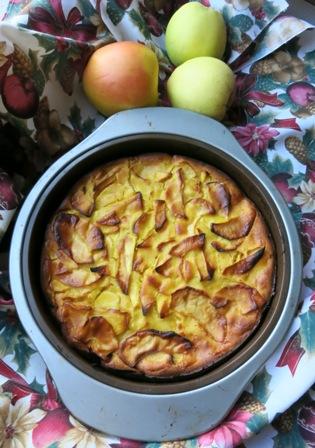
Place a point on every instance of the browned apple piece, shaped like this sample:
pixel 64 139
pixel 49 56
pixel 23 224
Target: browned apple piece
pixel 219 300
pixel 114 361
pixel 82 226
pixel 218 246
pixel 111 219
pixel 149 288
pixel 144 342
pixel 102 270
pixel 147 169
pixel 169 268
pixel 186 270
pixel 83 200
pixel 64 258
pixel 80 252
pixel 188 244
pixel 235 228
pixel 161 246
pixel 99 335
pixel 246 264
pixel 243 324
pixel 131 205
pixel 56 267
pixel 136 203
pixel 187 293
pixel 63 227
pixel 73 316
pixel 206 271
pixel 79 278
pixel 76 313
pixel 102 176
pixel 220 197
pixel 139 264
pixel 148 242
pixel 154 363
pixel 160 214
pixel 163 305
pixel 202 205
pixel 95 238
pixel 119 320
pixel 101 186
pixel 140 223
pixel 181 226
pixel 217 328
pixel 247 299
pixel 174 194
pixel 126 252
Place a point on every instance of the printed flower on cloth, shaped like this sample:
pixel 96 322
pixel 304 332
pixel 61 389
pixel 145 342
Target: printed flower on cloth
pixel 17 422
pixel 254 139
pixel 229 434
pixel 82 437
pixel 306 199
pixel 56 23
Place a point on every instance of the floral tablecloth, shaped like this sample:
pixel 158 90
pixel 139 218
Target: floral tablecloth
pixel 44 45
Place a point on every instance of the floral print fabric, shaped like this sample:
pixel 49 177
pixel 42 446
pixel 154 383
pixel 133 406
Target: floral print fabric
pixel 44 45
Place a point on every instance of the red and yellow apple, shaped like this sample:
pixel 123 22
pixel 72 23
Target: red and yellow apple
pixel 121 75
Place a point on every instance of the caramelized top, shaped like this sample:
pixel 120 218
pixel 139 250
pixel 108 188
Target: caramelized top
pixel 158 265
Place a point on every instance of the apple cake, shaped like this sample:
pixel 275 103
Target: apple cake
pixel 158 265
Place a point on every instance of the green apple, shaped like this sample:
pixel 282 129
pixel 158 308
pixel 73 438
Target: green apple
pixel 195 30
pixel 203 85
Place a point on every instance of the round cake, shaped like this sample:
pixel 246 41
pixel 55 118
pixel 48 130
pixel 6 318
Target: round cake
pixel 158 265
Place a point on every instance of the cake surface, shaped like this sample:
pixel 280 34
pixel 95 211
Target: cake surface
pixel 158 265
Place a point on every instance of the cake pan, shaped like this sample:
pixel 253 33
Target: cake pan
pixel 122 405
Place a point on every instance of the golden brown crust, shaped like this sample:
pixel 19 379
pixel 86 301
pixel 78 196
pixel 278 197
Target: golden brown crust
pixel 158 265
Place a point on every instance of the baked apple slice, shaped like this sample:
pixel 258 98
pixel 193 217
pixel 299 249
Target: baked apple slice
pixel 205 269
pixel 102 185
pixel 73 316
pixel 149 289
pixel 169 268
pixel 199 207
pixel 220 247
pixel 130 205
pixel 83 199
pixel 186 294
pixel 111 219
pixel 217 328
pixel 190 243
pixel 246 264
pixel 186 270
pixel 220 197
pixel 235 228
pixel 144 342
pixel 79 277
pixel 63 228
pixel 160 214
pixel 80 252
pixel 241 296
pixel 119 320
pixel 174 194
pixel 99 335
pixel 95 238
pixel 141 223
pixel 126 250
